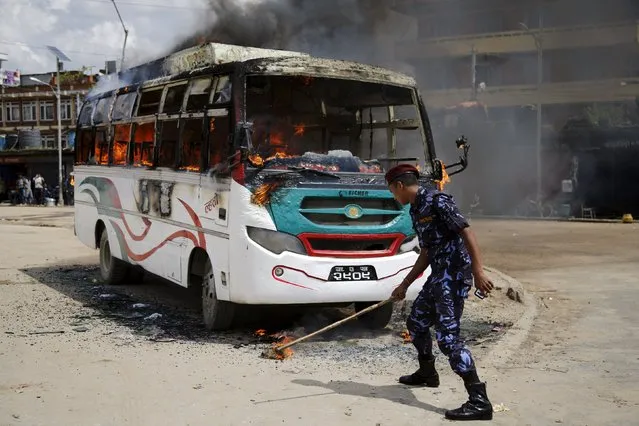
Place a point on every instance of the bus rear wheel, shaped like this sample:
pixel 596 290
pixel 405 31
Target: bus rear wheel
pixel 377 319
pixel 113 270
pixel 217 314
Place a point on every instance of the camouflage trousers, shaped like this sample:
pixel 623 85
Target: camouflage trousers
pixel 440 305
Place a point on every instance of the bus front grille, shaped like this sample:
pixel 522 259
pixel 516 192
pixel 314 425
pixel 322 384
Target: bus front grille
pixel 335 211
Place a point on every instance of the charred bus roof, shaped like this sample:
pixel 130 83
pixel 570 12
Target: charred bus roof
pixel 217 57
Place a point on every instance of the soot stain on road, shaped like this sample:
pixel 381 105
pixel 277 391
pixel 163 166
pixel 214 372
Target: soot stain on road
pixel 157 311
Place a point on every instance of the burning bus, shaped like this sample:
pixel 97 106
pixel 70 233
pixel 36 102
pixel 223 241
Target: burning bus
pixel 256 175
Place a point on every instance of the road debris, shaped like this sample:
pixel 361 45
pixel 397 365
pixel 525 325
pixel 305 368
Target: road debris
pixel 500 408
pixel 153 317
pixel 108 296
pixel 140 306
pixel 47 332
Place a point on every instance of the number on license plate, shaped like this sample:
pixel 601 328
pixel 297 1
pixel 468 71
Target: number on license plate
pixel 353 273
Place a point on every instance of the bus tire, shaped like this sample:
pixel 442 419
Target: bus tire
pixel 113 270
pixel 377 319
pixel 217 314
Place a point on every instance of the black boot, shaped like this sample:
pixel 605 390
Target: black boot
pixel 478 407
pixel 425 376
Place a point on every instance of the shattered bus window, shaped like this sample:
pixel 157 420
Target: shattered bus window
pixel 123 107
pixel 143 142
pixel 101 147
pixel 101 113
pixel 150 102
pixel 84 146
pixel 121 138
pixel 174 99
pixel 219 131
pixel 199 94
pixel 328 124
pixel 85 114
pixel 223 90
pixel 169 143
pixel 192 145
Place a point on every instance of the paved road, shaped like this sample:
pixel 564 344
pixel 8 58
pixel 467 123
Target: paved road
pixel 578 366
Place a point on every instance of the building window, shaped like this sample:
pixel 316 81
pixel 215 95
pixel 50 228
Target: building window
pixel 49 141
pixel 12 111
pixel 46 111
pixel 65 109
pixel 29 111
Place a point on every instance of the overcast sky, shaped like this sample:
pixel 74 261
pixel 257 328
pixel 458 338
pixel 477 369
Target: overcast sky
pixel 89 32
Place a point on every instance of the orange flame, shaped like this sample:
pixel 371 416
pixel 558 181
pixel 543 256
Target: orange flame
pixel 299 129
pixel 283 354
pixel 256 160
pixel 445 179
pixel 262 194
pixel 260 333
pixel 406 336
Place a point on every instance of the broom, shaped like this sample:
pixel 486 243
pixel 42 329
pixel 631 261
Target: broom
pixel 276 352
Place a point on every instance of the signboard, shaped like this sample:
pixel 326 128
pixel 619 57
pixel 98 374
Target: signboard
pixel 9 78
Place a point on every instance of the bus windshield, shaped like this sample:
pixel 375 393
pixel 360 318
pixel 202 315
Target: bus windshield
pixel 330 124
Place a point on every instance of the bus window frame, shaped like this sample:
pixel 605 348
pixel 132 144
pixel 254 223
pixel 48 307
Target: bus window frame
pixel 135 93
pixel 165 92
pixel 131 151
pixel 182 120
pixel 110 100
pixel 159 141
pixel 141 93
pixel 93 103
pixel 112 126
pixel 78 152
pixel 213 81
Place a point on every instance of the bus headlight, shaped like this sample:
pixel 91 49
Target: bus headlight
pixel 276 242
pixel 410 243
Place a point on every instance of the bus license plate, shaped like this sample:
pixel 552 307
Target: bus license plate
pixel 352 273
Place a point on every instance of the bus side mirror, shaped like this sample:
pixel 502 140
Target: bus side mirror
pixel 464 147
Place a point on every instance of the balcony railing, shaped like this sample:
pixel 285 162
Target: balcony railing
pixel 614 90
pixel 521 41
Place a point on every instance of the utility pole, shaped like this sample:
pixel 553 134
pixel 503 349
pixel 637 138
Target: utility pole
pixel 540 67
pixel 126 35
pixel 59 57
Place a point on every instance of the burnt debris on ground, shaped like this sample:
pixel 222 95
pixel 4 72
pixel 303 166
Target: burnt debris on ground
pixel 157 311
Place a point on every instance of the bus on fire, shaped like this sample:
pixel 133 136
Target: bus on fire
pixel 255 174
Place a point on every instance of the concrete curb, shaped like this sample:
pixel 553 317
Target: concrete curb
pixel 517 334
pixel 549 219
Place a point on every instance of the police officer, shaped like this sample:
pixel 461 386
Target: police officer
pixel 449 247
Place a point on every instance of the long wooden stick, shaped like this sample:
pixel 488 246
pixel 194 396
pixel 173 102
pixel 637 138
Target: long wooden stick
pixel 335 324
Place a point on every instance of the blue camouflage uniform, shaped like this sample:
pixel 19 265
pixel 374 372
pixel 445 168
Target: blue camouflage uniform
pixel 440 303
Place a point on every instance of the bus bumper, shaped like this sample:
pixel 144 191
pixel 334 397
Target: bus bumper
pixel 291 278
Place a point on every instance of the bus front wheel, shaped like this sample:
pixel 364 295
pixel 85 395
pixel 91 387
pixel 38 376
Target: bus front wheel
pixel 113 270
pixel 377 319
pixel 217 314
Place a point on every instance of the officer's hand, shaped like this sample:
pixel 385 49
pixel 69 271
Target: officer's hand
pixel 483 283
pixel 400 292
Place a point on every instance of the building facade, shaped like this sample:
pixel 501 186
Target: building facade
pixel 29 126
pixel 529 70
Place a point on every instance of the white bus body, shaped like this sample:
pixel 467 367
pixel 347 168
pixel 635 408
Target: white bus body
pixel 200 223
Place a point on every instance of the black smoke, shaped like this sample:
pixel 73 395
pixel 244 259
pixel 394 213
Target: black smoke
pixel 503 164
pixel 342 29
